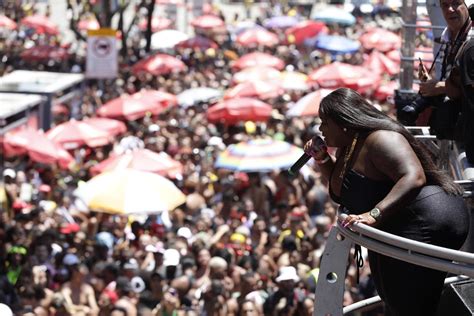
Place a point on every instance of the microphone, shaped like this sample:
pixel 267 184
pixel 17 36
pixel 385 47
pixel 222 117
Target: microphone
pixel 293 170
pixel 319 143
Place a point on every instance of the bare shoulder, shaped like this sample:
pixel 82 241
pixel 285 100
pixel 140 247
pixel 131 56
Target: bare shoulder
pixel 386 139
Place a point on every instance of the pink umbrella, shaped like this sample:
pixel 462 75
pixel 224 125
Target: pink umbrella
pixel 303 30
pixel 256 37
pixel 41 24
pixel 89 23
pixel 157 24
pixel 207 22
pixel 197 42
pixel 256 73
pixel 386 91
pixel 73 134
pixel 144 160
pixel 7 23
pixel 159 64
pixel 309 104
pixel 381 40
pixel 138 105
pixel 38 147
pixel 259 59
pixel 238 110
pixel 113 127
pixel 254 89
pixel 44 53
pixel 380 63
pixel 338 75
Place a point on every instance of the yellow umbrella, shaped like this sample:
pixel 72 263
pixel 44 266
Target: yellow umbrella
pixel 130 191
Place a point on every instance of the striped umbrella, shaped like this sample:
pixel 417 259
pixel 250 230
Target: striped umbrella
pixel 258 155
pixel 130 191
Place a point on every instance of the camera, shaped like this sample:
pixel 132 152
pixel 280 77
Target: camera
pixel 409 105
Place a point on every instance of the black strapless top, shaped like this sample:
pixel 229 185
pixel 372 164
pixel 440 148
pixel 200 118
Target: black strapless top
pixel 360 194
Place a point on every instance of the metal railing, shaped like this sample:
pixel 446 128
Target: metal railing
pixel 330 287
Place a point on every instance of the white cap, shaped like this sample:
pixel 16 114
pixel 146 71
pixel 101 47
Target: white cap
pixel 171 257
pixel 287 274
pixel 9 173
pixel 5 310
pixel 184 232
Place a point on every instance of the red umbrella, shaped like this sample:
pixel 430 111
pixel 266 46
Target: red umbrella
pixel 309 104
pixel 144 160
pixel 254 89
pixel 138 105
pixel 38 147
pixel 338 75
pixel 239 109
pixel 89 23
pixel 41 24
pixel 257 36
pixel 165 99
pixel 7 23
pixel 113 127
pixel 256 73
pixel 380 63
pixel 157 24
pixel 44 53
pixel 73 134
pixel 207 22
pixel 259 59
pixel 386 90
pixel 159 64
pixel 394 55
pixel 303 30
pixel 380 39
pixel 197 42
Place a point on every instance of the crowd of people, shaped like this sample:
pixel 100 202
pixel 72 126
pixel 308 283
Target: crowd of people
pixel 242 244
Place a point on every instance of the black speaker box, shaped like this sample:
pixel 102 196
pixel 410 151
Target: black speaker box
pixel 457 299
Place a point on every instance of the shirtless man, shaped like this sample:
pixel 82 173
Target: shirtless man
pixel 79 295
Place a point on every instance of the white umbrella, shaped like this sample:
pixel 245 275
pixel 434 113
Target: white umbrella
pixel 167 39
pixel 193 96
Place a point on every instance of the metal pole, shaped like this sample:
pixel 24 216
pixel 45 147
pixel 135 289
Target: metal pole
pixel 408 44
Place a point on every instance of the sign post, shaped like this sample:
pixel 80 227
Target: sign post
pixel 101 54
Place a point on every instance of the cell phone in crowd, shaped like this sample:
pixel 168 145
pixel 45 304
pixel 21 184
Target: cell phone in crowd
pixel 422 72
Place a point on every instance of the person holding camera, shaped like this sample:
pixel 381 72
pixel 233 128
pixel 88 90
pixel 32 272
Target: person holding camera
pixel 433 91
pixel 382 176
pixel 460 83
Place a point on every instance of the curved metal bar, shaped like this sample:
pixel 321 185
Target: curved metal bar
pixel 405 243
pixel 375 301
pixel 407 255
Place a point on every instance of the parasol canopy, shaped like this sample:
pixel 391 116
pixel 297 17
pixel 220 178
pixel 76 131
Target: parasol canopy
pixel 130 191
pixel 238 110
pixel 258 155
pixel 144 160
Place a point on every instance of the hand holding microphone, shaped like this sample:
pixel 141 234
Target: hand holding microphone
pixel 314 148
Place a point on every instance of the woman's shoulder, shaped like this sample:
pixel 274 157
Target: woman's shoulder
pixel 384 138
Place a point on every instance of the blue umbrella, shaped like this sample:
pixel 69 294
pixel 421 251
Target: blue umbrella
pixel 335 15
pixel 336 44
pixel 283 21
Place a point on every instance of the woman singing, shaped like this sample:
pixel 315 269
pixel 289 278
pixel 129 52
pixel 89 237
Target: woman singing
pixel 384 178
